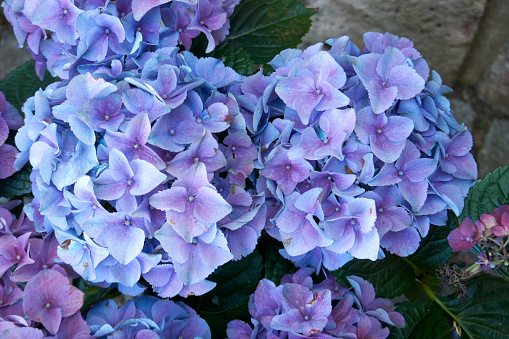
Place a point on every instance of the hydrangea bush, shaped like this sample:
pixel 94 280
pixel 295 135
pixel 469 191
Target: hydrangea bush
pixel 161 165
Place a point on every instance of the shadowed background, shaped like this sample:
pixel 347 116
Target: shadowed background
pixel 465 41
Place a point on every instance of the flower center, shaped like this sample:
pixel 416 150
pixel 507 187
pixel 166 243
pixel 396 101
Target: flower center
pixel 66 11
pixel 306 317
pixel 196 159
pixel 288 167
pixel 191 198
pixel 380 210
pixel 202 22
pixel 136 146
pixel 400 173
pixel 180 30
pixel 172 131
pixel 379 131
pixel 233 148
pixel 165 96
pixel 18 257
pixel 48 305
pixel 138 29
pixel 195 241
pixel 107 31
pixel 129 182
pixel 107 117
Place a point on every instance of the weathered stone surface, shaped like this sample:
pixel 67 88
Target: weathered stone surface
pixel 494 87
pixel 441 29
pixel 463 112
pixel 10 55
pixel 495 150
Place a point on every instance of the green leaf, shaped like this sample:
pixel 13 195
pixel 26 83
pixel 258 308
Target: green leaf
pixel 422 320
pixel 434 249
pixel 17 184
pixel 485 312
pixel 22 83
pixel 229 52
pixel 503 272
pixel 275 265
pixel 235 57
pixel 236 281
pixel 218 321
pixel 487 194
pixel 391 276
pixel 263 28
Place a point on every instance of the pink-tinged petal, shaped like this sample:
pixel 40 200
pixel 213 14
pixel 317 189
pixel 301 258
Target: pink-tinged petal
pixel 398 128
pixel 141 7
pixel 133 236
pixel 299 93
pixel 146 177
pixel 22 333
pixel 174 199
pixel 414 193
pixel 119 165
pixel 8 155
pixel 139 129
pixel 209 206
pixel 343 235
pixel 68 298
pixel 331 97
pixel 81 130
pixel 418 170
pixel 366 246
pixel 304 239
pixel 402 243
pixel 407 81
pixel 50 318
pixel 384 149
pixel 381 97
pixel 4 130
pixel 461 143
pixel 391 58
pixel 365 67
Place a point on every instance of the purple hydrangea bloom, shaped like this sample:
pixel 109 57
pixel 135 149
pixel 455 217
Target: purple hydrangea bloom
pixel 192 204
pixel 313 84
pixel 298 229
pixel 48 298
pixel 387 77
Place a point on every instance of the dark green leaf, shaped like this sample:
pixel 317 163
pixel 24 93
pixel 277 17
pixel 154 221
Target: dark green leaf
pixel 275 265
pixel 263 28
pixel 503 272
pixel 422 321
pixel 487 194
pixel 235 57
pixel 485 312
pixel 391 276
pixel 229 52
pixel 17 184
pixel 236 281
pixel 434 249
pixel 218 321
pixel 22 83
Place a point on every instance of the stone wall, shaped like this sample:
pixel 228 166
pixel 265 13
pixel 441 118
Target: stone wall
pixel 466 41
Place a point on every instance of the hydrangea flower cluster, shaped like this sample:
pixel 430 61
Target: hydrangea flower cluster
pixel 358 149
pixel 490 233
pixel 65 35
pixel 9 120
pixel 146 318
pixel 298 308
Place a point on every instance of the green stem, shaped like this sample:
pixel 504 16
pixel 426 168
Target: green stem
pixel 434 297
